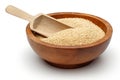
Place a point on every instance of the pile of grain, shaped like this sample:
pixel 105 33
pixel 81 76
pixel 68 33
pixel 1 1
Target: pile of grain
pixel 84 32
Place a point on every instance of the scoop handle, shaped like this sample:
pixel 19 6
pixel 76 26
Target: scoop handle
pixel 18 13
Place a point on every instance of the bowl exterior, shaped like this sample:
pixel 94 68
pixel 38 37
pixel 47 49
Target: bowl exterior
pixel 66 57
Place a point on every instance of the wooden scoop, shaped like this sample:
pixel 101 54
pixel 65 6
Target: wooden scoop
pixel 41 23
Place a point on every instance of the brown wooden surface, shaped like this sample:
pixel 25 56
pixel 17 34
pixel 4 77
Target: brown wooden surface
pixel 70 56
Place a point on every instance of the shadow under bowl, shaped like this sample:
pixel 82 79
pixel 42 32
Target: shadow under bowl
pixel 71 56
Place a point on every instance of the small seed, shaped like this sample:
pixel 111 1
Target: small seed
pixel 83 32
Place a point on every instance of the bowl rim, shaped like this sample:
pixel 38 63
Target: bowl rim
pixel 107 36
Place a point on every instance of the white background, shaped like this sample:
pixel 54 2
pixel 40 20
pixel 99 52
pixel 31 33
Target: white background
pixel 19 62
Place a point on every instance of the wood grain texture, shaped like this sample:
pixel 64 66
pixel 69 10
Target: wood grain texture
pixel 71 56
pixel 41 23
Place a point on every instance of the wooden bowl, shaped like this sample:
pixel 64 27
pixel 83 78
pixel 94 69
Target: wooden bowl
pixel 71 56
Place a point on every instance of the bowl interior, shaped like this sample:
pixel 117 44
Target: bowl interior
pixel 104 25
